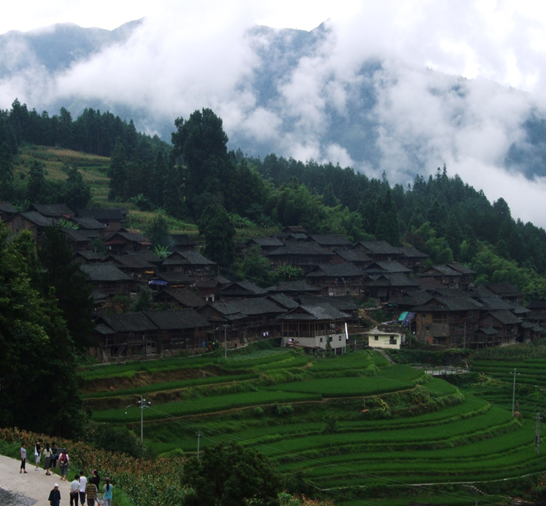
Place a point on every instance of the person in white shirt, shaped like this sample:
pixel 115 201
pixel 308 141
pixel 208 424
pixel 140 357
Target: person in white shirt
pixel 83 484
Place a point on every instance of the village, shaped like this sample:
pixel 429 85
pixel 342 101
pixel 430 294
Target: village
pixel 197 307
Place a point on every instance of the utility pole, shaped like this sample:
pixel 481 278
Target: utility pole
pixel 198 434
pixel 143 403
pixel 537 434
pixel 514 392
pixel 225 340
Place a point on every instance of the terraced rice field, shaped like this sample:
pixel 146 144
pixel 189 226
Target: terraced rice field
pixel 353 425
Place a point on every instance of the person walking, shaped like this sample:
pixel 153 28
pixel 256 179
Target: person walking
pixel 55 496
pixel 107 491
pixel 63 464
pixel 95 478
pixel 37 453
pixel 74 490
pixel 54 455
pixel 91 493
pixel 47 463
pixel 23 458
pixel 83 485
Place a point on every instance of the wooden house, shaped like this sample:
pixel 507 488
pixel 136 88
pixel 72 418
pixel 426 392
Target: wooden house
pixel 108 279
pixel 111 218
pixel 123 241
pixel 6 210
pixel 57 211
pixel 32 221
pixel 300 254
pixel 505 323
pixel 314 328
pixel 336 279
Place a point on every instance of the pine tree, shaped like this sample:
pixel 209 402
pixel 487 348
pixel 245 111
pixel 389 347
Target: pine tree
pixel 118 173
pixel 6 173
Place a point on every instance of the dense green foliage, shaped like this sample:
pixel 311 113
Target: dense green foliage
pixel 39 390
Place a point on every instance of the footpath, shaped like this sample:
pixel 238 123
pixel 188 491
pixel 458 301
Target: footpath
pixel 35 485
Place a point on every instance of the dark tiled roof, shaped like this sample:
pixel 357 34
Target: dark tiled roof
pixel 53 210
pixel 112 213
pixel 449 304
pixel 39 219
pixel 175 278
pixel 461 268
pixel 91 255
pixel 505 317
pixel 293 287
pixel 146 255
pixel 343 303
pixel 6 207
pixel 409 252
pixel 442 270
pixel 268 242
pixel 182 240
pixel 331 239
pixel 195 258
pixel 335 270
pixel 128 236
pixel 379 248
pixel 88 223
pixel 387 266
pixel 504 289
pixel 178 319
pixel 243 288
pixel 353 255
pixel 283 301
pixel 300 248
pixel 495 303
pixel 183 296
pixel 322 312
pixel 418 298
pixel 393 280
pixel 74 235
pixel 104 272
pixel 131 261
pixel 429 283
pixel 256 306
pixel 128 322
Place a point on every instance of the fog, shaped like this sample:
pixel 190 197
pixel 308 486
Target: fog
pixel 445 83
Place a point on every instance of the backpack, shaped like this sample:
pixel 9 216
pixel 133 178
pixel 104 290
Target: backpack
pixel 64 459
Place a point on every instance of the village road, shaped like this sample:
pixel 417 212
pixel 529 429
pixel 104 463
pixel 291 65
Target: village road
pixel 32 488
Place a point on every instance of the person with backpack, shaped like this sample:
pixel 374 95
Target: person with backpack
pixel 63 464
pixel 54 455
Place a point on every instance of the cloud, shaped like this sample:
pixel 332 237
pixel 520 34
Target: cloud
pixel 396 86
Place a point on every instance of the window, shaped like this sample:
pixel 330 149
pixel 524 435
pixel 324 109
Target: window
pixel 331 338
pixel 377 338
pixel 339 338
pixel 427 327
pixel 392 340
pixel 321 339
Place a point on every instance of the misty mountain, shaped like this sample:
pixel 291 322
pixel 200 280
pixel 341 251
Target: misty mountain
pixel 305 94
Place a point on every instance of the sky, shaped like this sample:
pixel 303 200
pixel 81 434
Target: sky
pixel 189 55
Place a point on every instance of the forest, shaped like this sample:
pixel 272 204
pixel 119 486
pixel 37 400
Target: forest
pixel 198 179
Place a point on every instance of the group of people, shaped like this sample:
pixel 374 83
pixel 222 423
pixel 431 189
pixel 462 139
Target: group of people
pixel 84 489
pixel 81 488
pixel 51 455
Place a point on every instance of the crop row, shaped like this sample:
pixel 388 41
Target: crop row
pixel 201 405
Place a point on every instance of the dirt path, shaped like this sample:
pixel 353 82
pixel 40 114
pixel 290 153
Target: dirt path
pixel 34 486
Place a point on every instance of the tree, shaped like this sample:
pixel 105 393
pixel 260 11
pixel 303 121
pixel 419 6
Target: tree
pixel 201 143
pixel 231 475
pixel 40 389
pixel 77 191
pixel 63 279
pixel 36 186
pixel 158 231
pixel 219 234
pixel 6 173
pixel 118 172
